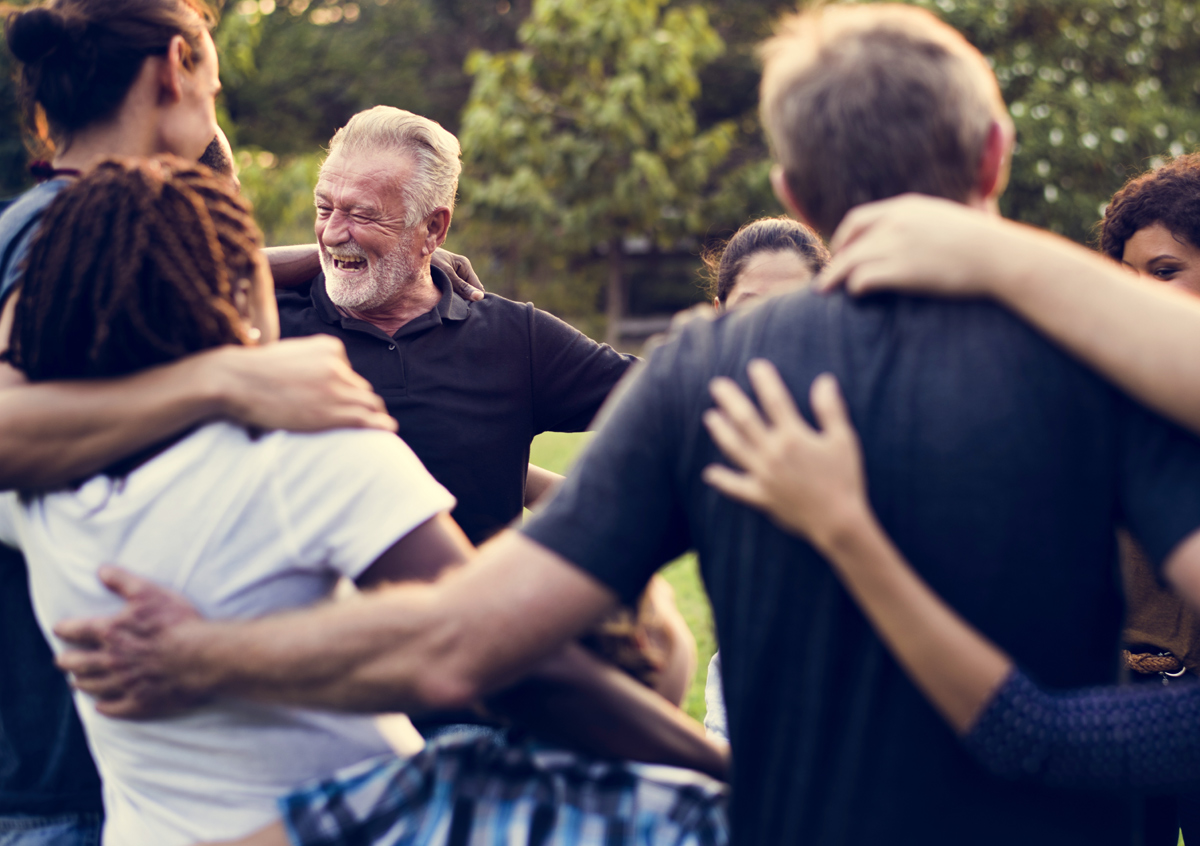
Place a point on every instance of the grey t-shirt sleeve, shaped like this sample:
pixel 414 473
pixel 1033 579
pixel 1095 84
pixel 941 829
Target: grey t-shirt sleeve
pixel 1160 481
pixel 619 514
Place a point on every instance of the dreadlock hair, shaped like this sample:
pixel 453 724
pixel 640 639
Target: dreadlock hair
pixel 1169 195
pixel 133 266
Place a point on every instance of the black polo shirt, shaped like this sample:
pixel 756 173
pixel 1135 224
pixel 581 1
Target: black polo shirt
pixel 1001 468
pixel 471 384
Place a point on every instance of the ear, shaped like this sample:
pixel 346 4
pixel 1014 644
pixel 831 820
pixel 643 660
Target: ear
pixel 992 177
pixel 437 226
pixel 171 69
pixel 783 191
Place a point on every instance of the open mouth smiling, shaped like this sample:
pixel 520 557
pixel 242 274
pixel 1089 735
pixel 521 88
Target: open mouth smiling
pixel 349 264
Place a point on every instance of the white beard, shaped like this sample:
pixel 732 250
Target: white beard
pixel 384 279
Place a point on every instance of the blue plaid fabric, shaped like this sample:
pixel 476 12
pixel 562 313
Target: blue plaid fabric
pixel 464 791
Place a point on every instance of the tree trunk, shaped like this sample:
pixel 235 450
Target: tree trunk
pixel 616 290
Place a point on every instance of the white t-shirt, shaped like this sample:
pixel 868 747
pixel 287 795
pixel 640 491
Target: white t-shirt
pixel 243 528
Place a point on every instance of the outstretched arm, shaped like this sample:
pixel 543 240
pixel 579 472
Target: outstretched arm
pixel 412 647
pixel 810 482
pixel 52 433
pixel 1143 336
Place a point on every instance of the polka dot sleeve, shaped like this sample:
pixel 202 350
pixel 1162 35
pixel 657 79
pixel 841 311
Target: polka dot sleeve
pixel 1105 738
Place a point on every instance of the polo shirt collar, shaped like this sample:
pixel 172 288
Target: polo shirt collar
pixel 450 307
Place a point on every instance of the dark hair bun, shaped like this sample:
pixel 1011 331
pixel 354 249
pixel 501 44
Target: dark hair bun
pixel 35 34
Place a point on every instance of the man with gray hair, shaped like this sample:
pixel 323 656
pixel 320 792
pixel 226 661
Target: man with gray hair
pixel 470 383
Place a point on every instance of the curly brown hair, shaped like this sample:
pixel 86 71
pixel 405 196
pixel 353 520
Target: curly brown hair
pixel 1169 195
pixel 133 266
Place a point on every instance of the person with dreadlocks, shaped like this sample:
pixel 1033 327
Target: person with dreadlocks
pixel 138 264
pixel 99 78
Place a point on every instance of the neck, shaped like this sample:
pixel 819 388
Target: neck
pixel 95 144
pixel 416 297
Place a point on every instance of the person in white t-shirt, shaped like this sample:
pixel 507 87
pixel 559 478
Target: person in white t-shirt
pixel 138 264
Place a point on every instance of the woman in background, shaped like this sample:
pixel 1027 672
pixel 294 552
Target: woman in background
pixel 766 257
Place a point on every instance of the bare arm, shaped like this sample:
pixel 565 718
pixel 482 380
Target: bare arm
pixel 539 483
pixel 407 647
pixel 811 483
pixel 52 433
pixel 292 266
pixel 1143 336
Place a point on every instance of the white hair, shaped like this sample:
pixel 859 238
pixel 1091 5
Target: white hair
pixel 435 152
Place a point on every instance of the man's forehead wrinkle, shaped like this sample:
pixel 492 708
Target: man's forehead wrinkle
pixel 347 176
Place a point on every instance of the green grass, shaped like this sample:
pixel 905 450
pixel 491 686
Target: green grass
pixel 555 451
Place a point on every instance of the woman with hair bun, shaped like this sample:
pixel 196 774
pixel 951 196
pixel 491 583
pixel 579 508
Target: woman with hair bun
pixel 97 79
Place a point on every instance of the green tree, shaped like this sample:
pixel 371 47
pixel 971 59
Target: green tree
pixel 587 136
pixel 1098 89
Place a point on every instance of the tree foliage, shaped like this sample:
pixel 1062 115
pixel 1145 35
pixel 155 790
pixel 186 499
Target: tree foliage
pixel 1099 90
pixel 587 135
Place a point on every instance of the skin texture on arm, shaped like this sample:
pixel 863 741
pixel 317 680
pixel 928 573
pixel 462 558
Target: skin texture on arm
pixel 52 433
pixel 408 647
pixel 811 483
pixel 539 483
pixel 1143 336
pixel 291 266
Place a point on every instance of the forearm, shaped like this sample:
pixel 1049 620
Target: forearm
pixel 1141 738
pixel 577 700
pixel 292 266
pixel 1142 335
pixel 956 668
pixel 369 654
pixel 539 483
pixel 52 433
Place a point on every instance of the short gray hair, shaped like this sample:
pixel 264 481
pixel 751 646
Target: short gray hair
pixel 435 151
pixel 865 102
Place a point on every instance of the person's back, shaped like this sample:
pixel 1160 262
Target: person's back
pixel 242 527
pixel 139 263
pixel 1001 467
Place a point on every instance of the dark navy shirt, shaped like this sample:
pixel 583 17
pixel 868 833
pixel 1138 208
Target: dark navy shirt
pixel 1000 466
pixel 470 385
pixel 45 766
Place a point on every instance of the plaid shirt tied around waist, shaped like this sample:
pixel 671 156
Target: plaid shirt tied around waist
pixel 467 791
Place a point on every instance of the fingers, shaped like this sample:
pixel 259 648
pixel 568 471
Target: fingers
pixel 124 583
pixel 854 224
pixel 85 664
pixel 827 404
pixel 736 486
pixel 83 633
pixel 736 449
pixel 773 395
pixel 466 290
pixel 738 409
